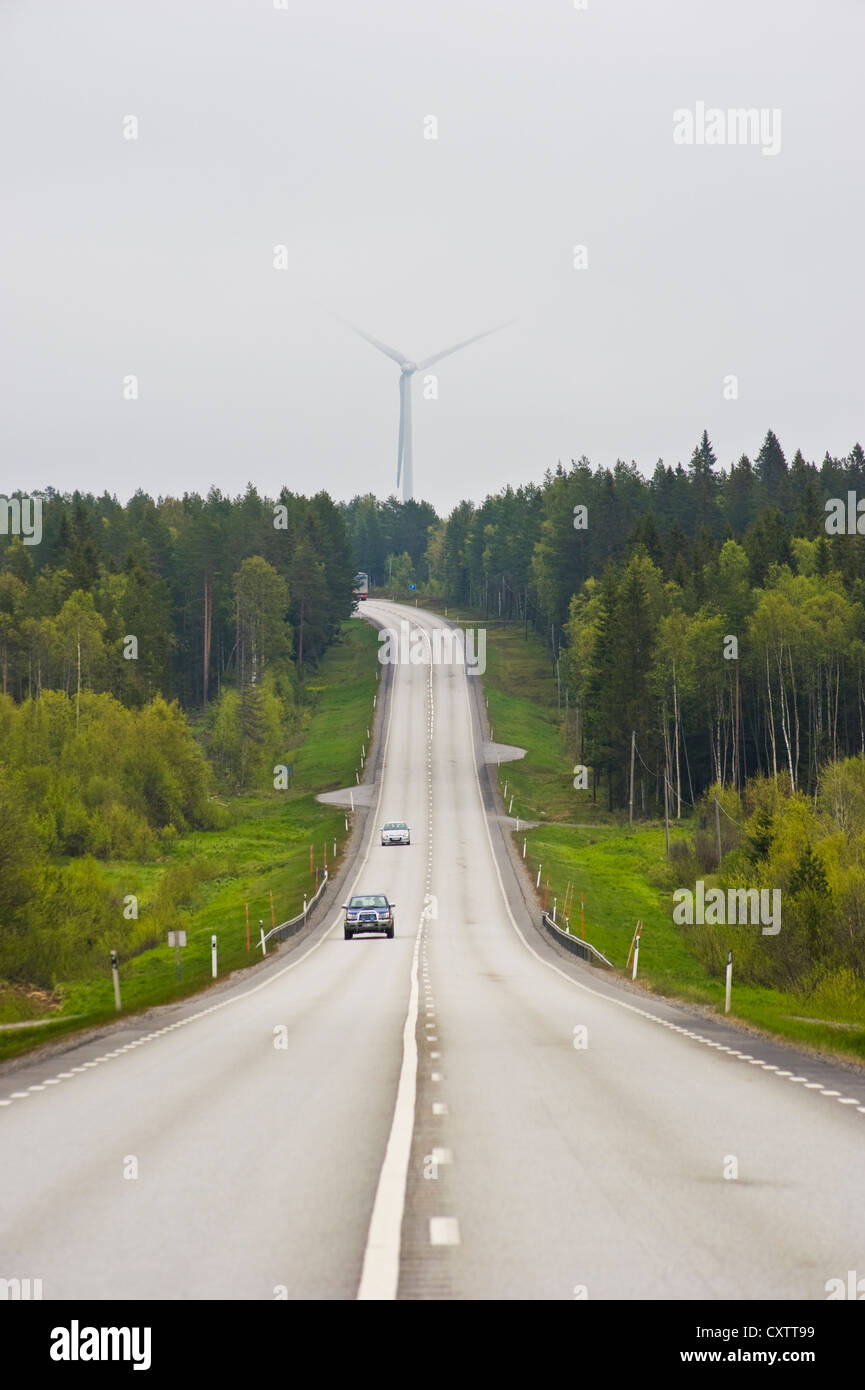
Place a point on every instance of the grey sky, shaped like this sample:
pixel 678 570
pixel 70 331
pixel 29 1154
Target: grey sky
pixel 304 127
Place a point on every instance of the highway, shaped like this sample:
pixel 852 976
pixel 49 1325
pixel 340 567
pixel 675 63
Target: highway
pixel 429 1130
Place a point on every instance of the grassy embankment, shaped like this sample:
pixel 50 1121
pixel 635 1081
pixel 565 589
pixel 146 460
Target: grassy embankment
pixel 214 874
pixel 624 876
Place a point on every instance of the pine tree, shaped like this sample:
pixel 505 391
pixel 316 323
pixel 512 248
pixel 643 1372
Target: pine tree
pixel 704 484
pixel 772 472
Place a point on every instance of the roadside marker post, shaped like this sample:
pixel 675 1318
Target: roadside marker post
pixel 524 846
pixel 115 974
pixel 729 981
pixel 263 942
pixel 636 949
pixel 213 956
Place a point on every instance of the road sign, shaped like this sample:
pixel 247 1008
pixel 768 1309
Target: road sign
pixel 177 939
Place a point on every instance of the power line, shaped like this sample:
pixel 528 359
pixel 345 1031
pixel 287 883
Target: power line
pixel 673 792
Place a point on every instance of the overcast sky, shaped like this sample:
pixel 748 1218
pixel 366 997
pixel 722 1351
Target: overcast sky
pixel 303 126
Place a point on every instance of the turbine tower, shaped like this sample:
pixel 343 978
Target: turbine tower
pixel 407 371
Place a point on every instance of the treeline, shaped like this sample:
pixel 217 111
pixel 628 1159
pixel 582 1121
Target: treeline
pixel 218 603
pixel 706 610
pixel 747 680
pixel 164 572
pixel 519 552
pixel 390 539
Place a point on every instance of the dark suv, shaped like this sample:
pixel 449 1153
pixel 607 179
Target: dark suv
pixel 368 912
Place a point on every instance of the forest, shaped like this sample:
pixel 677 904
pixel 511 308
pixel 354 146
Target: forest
pixel 152 660
pixel 707 611
pixel 704 624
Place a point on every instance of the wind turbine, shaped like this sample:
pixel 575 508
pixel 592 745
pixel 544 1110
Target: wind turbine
pixel 407 371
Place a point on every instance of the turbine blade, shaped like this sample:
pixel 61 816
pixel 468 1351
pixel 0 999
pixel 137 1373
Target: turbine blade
pixel 394 353
pixel 437 356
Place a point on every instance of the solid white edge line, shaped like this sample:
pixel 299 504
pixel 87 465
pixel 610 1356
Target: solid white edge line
pixel 380 1275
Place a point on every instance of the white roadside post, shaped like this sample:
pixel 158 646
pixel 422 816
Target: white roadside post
pixel 115 972
pixel 263 942
pixel 524 846
pixel 729 980
pixel 213 956
pixel 636 950
pixel 555 905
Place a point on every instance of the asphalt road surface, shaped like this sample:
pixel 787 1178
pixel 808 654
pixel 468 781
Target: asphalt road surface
pixel 429 1129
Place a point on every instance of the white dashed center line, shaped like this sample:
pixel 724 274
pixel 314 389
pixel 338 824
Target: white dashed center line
pixel 444 1230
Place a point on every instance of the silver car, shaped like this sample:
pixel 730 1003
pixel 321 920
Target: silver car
pixel 395 832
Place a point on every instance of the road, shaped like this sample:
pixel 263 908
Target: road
pixel 429 1129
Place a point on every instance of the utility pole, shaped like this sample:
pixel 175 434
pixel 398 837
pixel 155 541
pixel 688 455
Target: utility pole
pixel 631 795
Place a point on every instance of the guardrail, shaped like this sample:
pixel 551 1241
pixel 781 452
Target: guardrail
pixel 584 949
pixel 284 929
